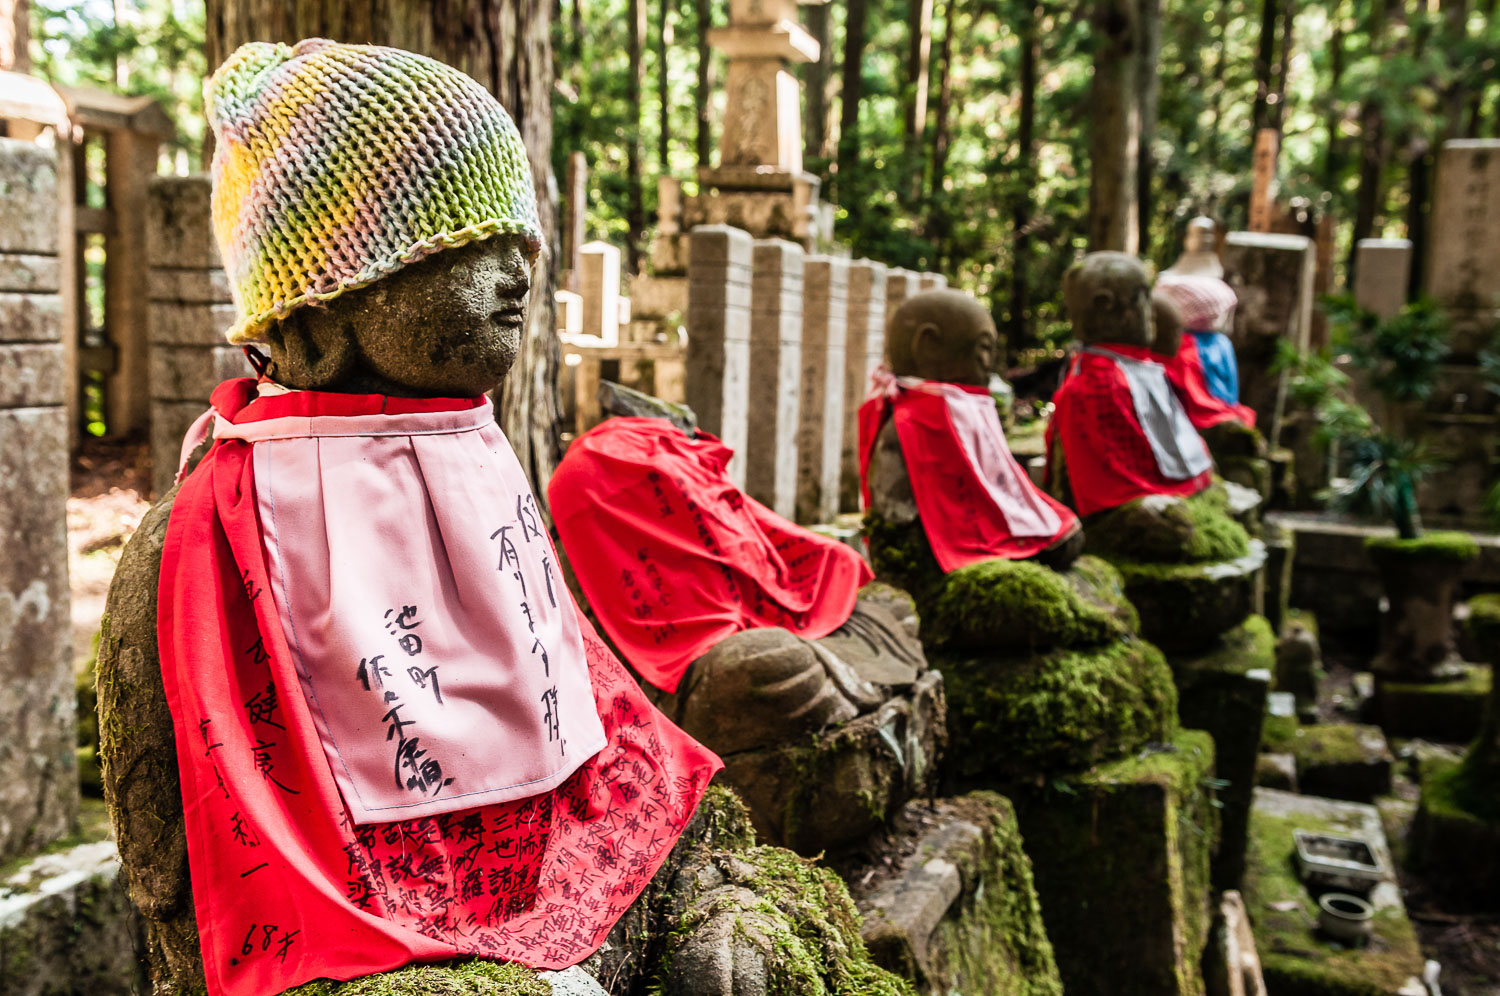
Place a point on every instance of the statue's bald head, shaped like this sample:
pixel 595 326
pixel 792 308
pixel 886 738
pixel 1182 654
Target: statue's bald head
pixel 1108 297
pixel 944 335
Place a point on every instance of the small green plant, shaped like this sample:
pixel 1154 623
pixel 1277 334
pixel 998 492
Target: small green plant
pixel 1400 354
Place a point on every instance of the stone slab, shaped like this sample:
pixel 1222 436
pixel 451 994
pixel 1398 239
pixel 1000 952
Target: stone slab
pixel 1122 866
pixel 1453 849
pixel 28 191
pixel 958 911
pixel 30 317
pixel 864 350
pixel 1382 270
pixel 39 796
pixel 1294 955
pixel 1346 761
pixel 189 324
pixel 820 425
pixel 1273 276
pixel 717 378
pixel 189 286
pixel 179 229
pixel 32 375
pixel 775 374
pixel 190 373
pixel 30 274
pixel 1185 608
pixel 1461 271
pixel 1445 711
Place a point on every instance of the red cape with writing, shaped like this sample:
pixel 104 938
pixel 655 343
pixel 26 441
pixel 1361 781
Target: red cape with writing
pixel 673 557
pixel 961 516
pixel 1107 457
pixel 1204 410
pixel 286 887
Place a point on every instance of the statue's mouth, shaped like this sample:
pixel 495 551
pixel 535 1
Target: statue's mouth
pixel 510 317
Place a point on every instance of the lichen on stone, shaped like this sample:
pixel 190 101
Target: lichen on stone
pixel 463 977
pixel 1061 711
pixel 1005 605
pixel 1166 529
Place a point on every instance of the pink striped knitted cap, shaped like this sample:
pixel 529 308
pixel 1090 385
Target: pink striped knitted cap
pixel 336 165
pixel 1206 303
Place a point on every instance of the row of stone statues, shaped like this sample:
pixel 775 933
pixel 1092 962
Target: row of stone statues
pixel 343 669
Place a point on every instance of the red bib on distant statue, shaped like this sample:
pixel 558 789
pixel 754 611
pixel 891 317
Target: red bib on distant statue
pixel 673 557
pixel 1123 432
pixel 1204 410
pixel 397 737
pixel 975 501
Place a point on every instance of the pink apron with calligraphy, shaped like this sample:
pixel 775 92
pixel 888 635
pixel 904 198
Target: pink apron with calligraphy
pixel 1108 455
pixel 975 501
pixel 673 557
pixel 398 739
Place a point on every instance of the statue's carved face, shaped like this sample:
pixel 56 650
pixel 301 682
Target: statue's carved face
pixel 943 335
pixel 449 325
pixel 1108 297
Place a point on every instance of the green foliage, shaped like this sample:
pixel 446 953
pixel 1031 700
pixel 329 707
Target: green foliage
pixel 1400 354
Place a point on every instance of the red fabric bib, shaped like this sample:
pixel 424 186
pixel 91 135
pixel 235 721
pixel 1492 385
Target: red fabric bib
pixel 966 519
pixel 1108 458
pixel 1185 371
pixel 673 557
pixel 286 887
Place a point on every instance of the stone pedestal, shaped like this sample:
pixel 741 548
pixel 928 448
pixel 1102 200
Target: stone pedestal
pixel 191 308
pixel 775 374
pixel 820 430
pixel 899 285
pixel 1273 276
pixel 718 350
pixel 864 351
pixel 1121 857
pixel 39 795
pixel 1381 275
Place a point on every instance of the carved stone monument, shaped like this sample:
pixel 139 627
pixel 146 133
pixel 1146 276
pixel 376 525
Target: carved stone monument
pixel 820 429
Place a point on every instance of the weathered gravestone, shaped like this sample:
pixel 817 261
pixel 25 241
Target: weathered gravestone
pixel 825 332
pixel 718 350
pixel 864 348
pixel 39 798
pixel 775 374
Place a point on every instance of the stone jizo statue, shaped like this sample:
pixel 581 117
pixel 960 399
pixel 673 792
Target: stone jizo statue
pixel 350 716
pixel 1118 431
pixel 933 450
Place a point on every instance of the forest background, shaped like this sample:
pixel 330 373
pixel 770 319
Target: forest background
pixel 954 135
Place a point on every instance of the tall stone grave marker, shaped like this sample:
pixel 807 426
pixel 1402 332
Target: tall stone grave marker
pixel 931 281
pixel 190 310
pixel 775 375
pixel 899 285
pixel 1382 270
pixel 718 349
pixel 864 351
pixel 1273 276
pixel 599 286
pixel 39 794
pixel 820 431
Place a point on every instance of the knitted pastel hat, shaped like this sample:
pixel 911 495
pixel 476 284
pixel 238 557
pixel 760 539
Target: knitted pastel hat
pixel 336 165
pixel 1207 303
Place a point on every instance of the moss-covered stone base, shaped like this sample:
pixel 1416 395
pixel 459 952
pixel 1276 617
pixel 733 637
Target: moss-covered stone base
pixel 1447 711
pixel 1295 958
pixel 465 977
pixel 959 911
pixel 1186 607
pixel 1161 529
pixel 1122 863
pixel 1035 714
pixel 1224 693
pixel 1335 760
pixel 1455 838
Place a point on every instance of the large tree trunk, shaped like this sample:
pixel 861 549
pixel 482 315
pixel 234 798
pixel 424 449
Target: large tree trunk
pixel 1277 113
pixel 664 138
pixel 851 92
pixel 937 211
pixel 505 45
pixel 705 137
pixel 1265 53
pixel 1150 96
pixel 1369 201
pixel 815 77
pixel 1332 155
pixel 15 35
pixel 635 207
pixel 918 69
pixel 1018 332
pixel 1115 127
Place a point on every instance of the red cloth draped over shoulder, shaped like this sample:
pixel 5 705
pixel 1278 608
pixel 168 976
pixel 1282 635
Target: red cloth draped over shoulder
pixel 966 521
pixel 673 557
pixel 1105 451
pixel 1204 410
pixel 286 887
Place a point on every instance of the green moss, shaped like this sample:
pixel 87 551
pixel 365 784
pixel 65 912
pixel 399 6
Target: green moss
pixel 1278 733
pixel 1294 959
pixel 999 942
pixel 86 704
pixel 1160 529
pixel 1234 439
pixel 1454 546
pixel 93 826
pixel 805 913
pixel 901 555
pixel 1484 622
pixel 1474 682
pixel 1249 646
pixel 1011 605
pixel 1056 712
pixel 1450 791
pixel 465 977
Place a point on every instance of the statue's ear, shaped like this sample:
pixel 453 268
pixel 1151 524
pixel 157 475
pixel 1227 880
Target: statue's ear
pixel 926 345
pixel 1104 300
pixel 315 353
